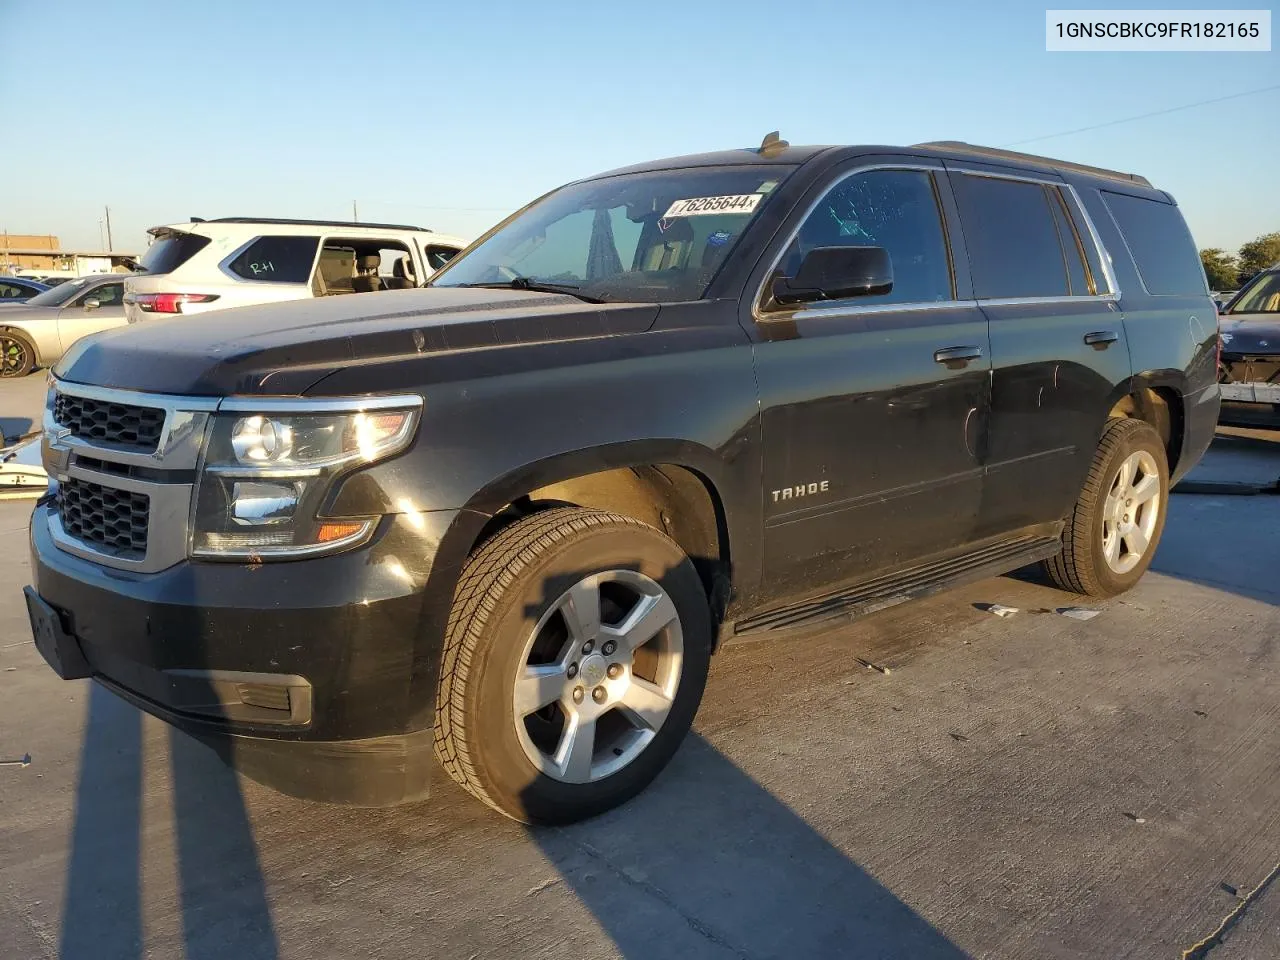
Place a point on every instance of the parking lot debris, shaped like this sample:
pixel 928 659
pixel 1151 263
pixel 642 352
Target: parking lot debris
pixel 959 737
pixel 873 666
pixel 1079 613
pixel 24 762
pixel 539 887
pixel 1000 610
pixel 1134 817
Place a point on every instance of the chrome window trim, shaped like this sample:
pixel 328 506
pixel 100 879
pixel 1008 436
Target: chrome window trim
pixel 842 308
pixel 760 315
pixel 1104 256
pixel 846 308
pixel 1016 301
pixel 179 453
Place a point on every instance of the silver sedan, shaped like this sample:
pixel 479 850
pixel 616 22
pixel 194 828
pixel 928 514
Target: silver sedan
pixel 36 333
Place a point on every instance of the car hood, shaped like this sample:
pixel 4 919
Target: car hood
pixel 1251 333
pixel 284 348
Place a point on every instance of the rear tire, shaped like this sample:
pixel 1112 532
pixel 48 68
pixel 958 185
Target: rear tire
pixel 565 604
pixel 1116 524
pixel 17 354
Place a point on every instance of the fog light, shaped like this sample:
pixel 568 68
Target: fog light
pixel 262 504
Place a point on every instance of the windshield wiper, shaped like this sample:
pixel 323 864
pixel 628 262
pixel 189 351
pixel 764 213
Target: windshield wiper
pixel 537 286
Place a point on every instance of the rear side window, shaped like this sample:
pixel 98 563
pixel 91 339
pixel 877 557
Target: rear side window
pixel 1013 240
pixel 1160 243
pixel 276 259
pixel 170 251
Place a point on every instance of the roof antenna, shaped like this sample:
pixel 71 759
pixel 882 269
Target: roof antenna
pixel 772 145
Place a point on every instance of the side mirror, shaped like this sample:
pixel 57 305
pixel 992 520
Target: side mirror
pixel 834 273
pixel 92 304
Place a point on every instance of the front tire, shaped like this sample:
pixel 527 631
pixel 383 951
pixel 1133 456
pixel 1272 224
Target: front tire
pixel 1116 524
pixel 576 655
pixel 17 354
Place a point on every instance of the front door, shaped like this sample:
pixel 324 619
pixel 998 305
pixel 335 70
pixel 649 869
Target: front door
pixel 1058 347
pixel 873 408
pixel 79 318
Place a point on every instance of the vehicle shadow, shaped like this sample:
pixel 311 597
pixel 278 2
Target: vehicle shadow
pixel 1245 528
pixel 224 905
pixel 102 909
pixel 708 863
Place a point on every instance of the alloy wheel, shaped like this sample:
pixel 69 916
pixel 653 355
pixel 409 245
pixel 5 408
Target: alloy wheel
pixel 1131 511
pixel 13 356
pixel 599 675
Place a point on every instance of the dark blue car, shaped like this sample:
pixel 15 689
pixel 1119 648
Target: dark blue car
pixel 19 289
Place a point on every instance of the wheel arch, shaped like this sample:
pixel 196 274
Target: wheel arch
pixel 671 486
pixel 1159 402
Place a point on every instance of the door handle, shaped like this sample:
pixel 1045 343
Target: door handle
pixel 956 357
pixel 1101 339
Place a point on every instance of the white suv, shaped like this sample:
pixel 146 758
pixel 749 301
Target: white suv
pixel 236 261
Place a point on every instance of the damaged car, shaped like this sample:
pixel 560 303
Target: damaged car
pixel 1250 366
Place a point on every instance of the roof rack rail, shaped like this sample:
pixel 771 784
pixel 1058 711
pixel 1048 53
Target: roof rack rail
pixel 315 223
pixel 995 153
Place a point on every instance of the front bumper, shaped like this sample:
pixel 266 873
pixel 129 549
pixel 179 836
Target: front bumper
pixel 308 675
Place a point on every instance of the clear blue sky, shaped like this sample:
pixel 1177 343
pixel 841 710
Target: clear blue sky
pixel 449 115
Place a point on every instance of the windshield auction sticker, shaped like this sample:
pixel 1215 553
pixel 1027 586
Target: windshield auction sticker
pixel 702 206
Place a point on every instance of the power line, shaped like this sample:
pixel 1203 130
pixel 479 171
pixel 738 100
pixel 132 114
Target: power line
pixel 1143 116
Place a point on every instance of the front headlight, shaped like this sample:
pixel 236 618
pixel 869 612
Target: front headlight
pixel 265 476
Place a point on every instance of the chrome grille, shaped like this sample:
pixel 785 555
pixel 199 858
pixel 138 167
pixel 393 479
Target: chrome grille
pixel 105 421
pixel 112 520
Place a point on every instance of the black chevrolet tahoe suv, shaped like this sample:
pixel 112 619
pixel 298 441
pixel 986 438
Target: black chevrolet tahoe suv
pixel 505 519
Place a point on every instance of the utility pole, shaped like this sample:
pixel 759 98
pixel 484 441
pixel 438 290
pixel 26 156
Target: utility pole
pixel 355 216
pixel 108 210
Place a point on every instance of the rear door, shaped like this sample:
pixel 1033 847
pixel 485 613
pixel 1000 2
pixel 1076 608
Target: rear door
pixel 78 319
pixel 1058 348
pixel 873 408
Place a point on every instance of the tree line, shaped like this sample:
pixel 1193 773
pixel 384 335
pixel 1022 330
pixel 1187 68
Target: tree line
pixel 1227 271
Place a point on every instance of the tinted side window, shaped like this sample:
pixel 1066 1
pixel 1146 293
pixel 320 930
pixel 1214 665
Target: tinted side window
pixel 1011 236
pixel 10 292
pixel 276 259
pixel 894 209
pixel 1160 243
pixel 437 257
pixel 170 252
pixel 107 295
